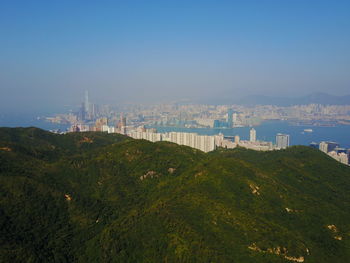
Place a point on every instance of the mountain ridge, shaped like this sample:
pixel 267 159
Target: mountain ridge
pixel 110 198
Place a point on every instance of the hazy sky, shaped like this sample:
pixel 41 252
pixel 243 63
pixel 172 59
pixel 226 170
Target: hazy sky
pixel 51 51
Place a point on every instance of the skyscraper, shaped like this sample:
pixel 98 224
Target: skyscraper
pixel 229 118
pixel 282 140
pixel 252 134
pixel 86 103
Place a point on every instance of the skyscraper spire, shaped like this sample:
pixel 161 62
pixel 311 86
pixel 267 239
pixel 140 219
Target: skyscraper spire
pixel 86 101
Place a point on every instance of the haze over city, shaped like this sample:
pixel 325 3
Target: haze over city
pixel 160 51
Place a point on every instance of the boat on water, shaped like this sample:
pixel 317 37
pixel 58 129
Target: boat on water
pixel 308 130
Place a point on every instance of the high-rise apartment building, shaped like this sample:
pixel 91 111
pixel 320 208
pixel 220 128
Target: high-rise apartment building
pixel 282 141
pixel 204 143
pixel 252 134
pixel 328 146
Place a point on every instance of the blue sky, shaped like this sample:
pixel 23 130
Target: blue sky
pixel 142 51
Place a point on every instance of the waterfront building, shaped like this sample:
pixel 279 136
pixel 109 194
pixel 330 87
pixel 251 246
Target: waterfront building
pixel 230 118
pixel 234 119
pixel 282 141
pixel 237 139
pixel 252 134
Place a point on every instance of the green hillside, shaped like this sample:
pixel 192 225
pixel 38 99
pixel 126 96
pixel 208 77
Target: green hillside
pixel 95 197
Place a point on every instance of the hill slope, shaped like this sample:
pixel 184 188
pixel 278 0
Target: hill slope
pixel 93 197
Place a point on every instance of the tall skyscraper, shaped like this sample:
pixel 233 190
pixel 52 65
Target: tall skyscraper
pixel 252 134
pixel 229 118
pixel 282 140
pixel 86 103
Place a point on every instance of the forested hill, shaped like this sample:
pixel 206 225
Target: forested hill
pixel 94 197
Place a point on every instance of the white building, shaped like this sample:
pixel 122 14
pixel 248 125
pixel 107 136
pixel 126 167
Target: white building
pixel 282 141
pixel 204 143
pixel 257 146
pixel 323 146
pixel 104 128
pixel 111 129
pixel 252 134
pixel 328 146
pixel 149 136
pixel 340 157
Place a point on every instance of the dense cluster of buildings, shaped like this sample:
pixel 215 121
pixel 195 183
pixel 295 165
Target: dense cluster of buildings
pixel 334 150
pixel 133 119
pixel 205 116
pixel 207 143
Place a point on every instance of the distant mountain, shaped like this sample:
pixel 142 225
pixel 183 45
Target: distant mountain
pixel 95 197
pixel 314 98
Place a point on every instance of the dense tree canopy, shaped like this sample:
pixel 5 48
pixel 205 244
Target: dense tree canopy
pixel 95 197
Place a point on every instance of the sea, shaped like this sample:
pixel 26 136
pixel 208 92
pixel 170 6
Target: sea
pixel 30 120
pixel 265 132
